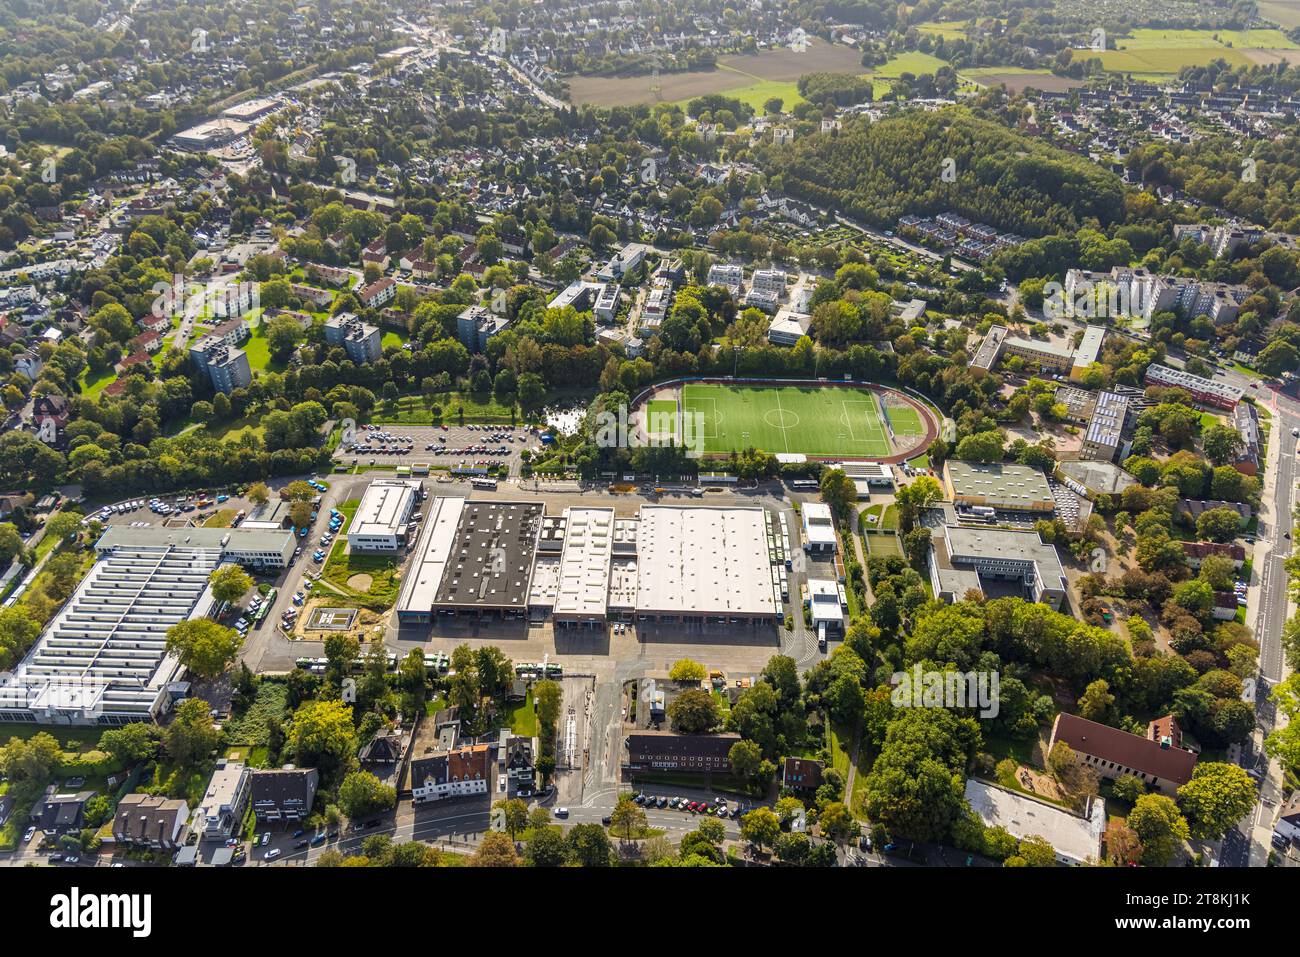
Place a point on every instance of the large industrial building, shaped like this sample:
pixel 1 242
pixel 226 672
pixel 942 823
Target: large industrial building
pixel 102 660
pixel 691 564
pixel 383 518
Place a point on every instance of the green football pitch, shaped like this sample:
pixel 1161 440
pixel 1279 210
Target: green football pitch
pixel 825 421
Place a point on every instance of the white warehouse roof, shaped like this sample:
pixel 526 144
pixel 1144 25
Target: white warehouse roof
pixel 703 560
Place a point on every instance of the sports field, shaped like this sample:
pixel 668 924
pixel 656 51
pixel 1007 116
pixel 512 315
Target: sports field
pixel 814 421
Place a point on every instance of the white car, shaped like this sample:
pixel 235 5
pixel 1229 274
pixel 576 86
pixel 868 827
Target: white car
pixel 273 854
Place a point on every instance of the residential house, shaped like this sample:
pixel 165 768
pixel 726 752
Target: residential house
pixel 221 812
pixel 802 774
pixel 149 821
pixel 56 814
pixel 457 772
pixel 285 794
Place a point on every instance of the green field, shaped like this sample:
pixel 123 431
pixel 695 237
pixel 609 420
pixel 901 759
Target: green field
pixel 815 421
pixel 1164 52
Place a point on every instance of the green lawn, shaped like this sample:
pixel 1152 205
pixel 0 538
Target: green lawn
pixel 814 421
pixel 523 719
pixel 340 566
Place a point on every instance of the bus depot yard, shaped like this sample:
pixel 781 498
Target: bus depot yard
pixel 820 421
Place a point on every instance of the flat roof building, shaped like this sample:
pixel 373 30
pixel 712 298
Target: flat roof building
pixel 221 811
pixel 433 552
pixel 818 527
pixel 382 520
pixel 1104 435
pixel 360 340
pixel 704 563
pixel 824 604
pixel 996 485
pixel 1076 838
pixel 103 659
pixel 1205 391
pixel 788 327
pixel 964 558
pixel 491 559
pixel 584 566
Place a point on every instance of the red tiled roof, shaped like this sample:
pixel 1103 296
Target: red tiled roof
pixel 1130 750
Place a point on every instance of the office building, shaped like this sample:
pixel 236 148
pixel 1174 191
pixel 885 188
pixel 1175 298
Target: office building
pixel 382 522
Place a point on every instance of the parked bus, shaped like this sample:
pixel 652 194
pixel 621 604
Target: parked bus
pixel 484 483
pixel 811 484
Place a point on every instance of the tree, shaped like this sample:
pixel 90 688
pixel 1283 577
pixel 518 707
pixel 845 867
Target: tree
pixel 627 818
pixel 35 759
pixel 17 633
pixel 1159 826
pixel 746 759
pixel 191 736
pixel 283 333
pixel 1218 524
pixel 686 671
pixel 694 712
pixel 514 815
pixel 760 827
pixel 1123 847
pixel 981 447
pixel 547 847
pixel 839 492
pixel 792 848
pixel 1096 702
pixel 258 493
pixel 916 544
pixel 1216 798
pixel 203 646
pixel 837 823
pixel 130 743
pixel 1221 444
pixel 495 850
pixel 589 845
pixel 531 392
pixel 1036 852
pixel 11 542
pixel 362 794
pixel 916 496
pixel 321 735
pixel 61 525
pixel 229 582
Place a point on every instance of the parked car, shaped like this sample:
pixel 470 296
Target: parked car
pixel 266 838
pixel 272 854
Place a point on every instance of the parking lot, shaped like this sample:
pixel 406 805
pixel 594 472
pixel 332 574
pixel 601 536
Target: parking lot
pixel 438 445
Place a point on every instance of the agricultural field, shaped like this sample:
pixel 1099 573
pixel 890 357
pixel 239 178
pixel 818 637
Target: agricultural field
pixel 753 78
pixel 1019 79
pixel 1155 52
pixel 818 421
pixel 1285 13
